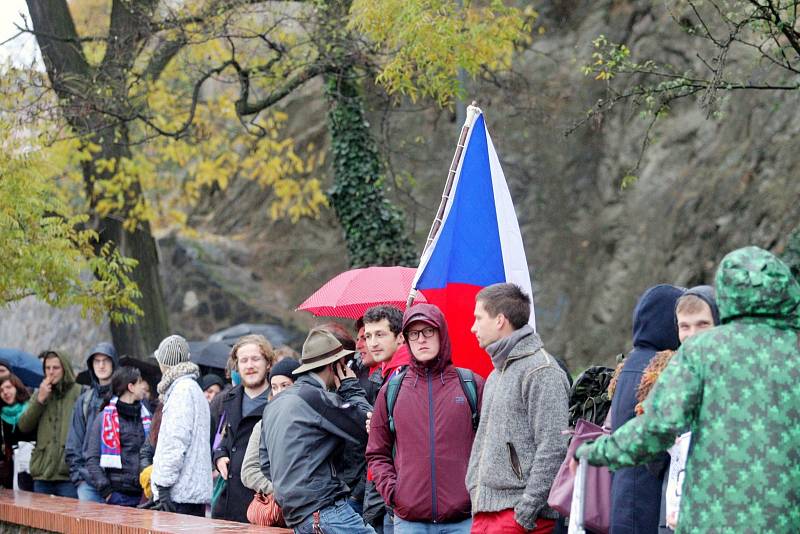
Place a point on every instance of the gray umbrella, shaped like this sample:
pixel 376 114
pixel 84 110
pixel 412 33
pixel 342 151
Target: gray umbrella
pixel 209 353
pixel 276 334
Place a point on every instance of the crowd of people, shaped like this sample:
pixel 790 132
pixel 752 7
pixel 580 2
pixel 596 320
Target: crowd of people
pixel 378 431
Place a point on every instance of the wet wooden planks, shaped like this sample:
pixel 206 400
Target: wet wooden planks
pixel 70 516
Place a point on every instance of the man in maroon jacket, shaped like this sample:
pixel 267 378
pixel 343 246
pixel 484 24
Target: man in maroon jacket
pixel 420 468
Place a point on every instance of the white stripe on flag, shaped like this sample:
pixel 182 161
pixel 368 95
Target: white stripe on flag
pixel 514 261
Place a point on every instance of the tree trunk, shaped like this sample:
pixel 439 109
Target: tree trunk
pixel 77 83
pixel 141 338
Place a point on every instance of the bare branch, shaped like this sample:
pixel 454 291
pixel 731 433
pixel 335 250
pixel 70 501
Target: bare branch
pixel 243 107
pixel 165 52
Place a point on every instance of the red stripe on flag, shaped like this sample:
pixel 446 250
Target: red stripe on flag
pixel 457 302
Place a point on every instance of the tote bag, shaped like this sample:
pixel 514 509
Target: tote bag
pixel 597 506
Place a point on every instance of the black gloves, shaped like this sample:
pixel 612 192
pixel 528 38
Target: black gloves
pixel 165 503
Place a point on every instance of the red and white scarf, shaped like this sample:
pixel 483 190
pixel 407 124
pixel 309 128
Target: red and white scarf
pixel 110 448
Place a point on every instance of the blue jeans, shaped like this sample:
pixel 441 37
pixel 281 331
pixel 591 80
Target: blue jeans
pixel 338 518
pixel 61 488
pixel 388 522
pixel 86 492
pixel 357 506
pixel 401 526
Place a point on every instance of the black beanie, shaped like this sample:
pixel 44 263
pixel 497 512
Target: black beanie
pixel 284 368
pixel 211 379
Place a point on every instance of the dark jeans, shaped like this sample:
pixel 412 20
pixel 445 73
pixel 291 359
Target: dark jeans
pixel 62 488
pixel 190 509
pixel 122 499
pixel 25 481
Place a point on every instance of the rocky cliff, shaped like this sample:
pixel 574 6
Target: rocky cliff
pixel 705 187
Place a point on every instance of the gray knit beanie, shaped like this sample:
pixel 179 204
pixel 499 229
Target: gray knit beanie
pixel 172 351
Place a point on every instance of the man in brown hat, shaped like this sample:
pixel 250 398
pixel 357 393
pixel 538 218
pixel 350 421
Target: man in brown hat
pixel 302 435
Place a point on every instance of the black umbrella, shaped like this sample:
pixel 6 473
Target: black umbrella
pixel 276 334
pixel 149 368
pixel 209 353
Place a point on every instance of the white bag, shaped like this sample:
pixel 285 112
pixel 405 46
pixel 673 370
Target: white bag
pixel 22 459
pixel 677 467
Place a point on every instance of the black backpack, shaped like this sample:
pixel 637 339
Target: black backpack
pixel 466 378
pixel 588 397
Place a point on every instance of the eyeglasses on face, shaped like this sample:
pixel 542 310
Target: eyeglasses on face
pixel 413 335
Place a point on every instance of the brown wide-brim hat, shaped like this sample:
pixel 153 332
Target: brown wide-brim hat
pixel 319 349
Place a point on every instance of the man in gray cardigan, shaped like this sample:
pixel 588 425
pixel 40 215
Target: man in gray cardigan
pixel 519 445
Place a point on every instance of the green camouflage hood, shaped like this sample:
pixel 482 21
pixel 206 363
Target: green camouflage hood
pixel 751 282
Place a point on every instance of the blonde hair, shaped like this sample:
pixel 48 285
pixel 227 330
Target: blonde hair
pixel 691 304
pixel 264 346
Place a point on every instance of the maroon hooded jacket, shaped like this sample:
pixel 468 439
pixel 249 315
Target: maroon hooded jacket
pixel 424 480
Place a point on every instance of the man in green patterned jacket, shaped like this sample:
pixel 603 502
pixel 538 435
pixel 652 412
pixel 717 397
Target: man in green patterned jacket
pixel 736 387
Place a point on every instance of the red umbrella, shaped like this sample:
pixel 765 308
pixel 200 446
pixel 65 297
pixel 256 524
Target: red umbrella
pixel 351 293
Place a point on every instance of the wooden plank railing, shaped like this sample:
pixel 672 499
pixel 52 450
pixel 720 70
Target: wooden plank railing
pixel 70 516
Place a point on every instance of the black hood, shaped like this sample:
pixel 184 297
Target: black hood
pixel 654 318
pixel 101 348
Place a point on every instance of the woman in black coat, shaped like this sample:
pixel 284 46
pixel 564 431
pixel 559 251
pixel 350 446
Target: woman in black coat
pixel 14 396
pixel 113 450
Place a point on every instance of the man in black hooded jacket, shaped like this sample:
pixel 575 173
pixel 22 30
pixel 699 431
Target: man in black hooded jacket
pixel 636 491
pixel 101 363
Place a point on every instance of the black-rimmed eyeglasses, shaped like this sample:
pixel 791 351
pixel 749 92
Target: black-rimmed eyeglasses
pixel 413 335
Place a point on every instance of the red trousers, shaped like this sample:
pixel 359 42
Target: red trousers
pixel 503 522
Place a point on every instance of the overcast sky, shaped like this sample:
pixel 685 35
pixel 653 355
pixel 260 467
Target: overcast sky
pixel 22 49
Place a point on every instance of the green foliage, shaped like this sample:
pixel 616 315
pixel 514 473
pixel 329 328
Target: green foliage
pixel 374 229
pixel 46 250
pixel 161 129
pixel 425 42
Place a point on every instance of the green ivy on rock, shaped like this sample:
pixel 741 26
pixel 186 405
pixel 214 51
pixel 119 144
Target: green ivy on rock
pixel 374 229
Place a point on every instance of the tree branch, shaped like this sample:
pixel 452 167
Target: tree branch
pixel 243 107
pixel 184 128
pixel 775 19
pixel 129 26
pixel 165 52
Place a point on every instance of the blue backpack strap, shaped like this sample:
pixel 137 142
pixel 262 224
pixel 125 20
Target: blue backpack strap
pixel 392 391
pixel 467 380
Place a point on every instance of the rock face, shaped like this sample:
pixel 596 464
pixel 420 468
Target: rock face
pixel 705 187
pixel 33 326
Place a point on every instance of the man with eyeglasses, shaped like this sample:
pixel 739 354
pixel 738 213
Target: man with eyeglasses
pixel 422 430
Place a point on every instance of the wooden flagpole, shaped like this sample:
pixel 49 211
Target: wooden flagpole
pixel 472 112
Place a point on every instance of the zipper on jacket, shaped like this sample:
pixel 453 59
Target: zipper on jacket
pixel 512 455
pixel 433 447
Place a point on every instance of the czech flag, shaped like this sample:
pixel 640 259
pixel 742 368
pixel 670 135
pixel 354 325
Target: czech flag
pixel 478 244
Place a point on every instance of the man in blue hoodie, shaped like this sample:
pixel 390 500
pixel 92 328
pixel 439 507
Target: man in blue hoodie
pixel 636 491
pixel 101 363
